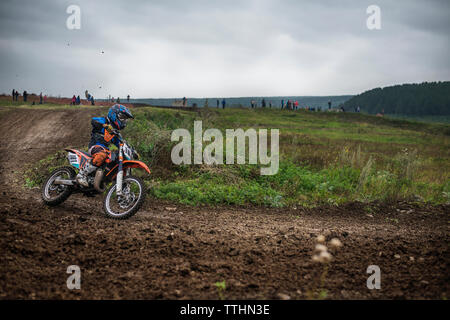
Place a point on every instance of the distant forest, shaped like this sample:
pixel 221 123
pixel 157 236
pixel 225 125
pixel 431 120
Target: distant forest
pixel 428 98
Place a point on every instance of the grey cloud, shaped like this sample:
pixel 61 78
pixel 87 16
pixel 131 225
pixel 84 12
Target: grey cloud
pixel 214 48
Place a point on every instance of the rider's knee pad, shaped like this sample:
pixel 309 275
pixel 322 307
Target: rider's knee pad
pixel 99 158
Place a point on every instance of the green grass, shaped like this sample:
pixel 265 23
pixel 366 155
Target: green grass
pixel 436 119
pixel 7 102
pixel 325 158
pixel 35 174
pixel 51 106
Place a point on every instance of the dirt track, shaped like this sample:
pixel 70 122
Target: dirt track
pixel 176 254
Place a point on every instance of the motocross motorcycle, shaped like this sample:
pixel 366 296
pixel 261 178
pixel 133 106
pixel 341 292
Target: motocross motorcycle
pixel 123 198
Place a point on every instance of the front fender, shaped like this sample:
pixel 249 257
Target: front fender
pixel 128 164
pixel 135 164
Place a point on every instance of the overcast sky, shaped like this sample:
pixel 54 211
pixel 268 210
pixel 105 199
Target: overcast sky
pixel 208 48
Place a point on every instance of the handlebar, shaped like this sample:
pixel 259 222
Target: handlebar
pixel 119 136
pixel 117 133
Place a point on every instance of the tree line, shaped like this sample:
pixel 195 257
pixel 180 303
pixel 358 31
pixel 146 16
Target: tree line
pixel 427 98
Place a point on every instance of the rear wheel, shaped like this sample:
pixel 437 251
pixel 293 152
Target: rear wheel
pixel 131 200
pixel 54 194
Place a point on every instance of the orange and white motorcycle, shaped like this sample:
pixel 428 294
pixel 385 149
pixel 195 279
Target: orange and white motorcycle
pixel 123 198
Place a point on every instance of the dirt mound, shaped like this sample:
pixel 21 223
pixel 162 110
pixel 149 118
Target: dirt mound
pixel 29 135
pixel 178 252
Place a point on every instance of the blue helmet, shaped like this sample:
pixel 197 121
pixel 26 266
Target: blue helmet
pixel 118 115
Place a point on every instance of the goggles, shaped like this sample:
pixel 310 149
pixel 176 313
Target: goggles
pixel 122 117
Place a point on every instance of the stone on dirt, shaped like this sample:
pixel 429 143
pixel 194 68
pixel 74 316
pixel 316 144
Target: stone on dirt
pixel 283 296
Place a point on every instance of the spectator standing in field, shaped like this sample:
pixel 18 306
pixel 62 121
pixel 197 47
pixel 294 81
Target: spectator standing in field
pixel 78 100
pixel 25 96
pixel 217 103
pixel 92 100
pixel 282 103
pixel 358 109
pixel 40 98
pixel 263 103
pixel 184 101
pixel 74 100
pixel 17 95
pixel 270 104
pixel 118 99
pixel 223 103
pixel 128 98
pixel 329 105
pixel 87 95
pixel 13 94
pixel 296 105
pixel 206 103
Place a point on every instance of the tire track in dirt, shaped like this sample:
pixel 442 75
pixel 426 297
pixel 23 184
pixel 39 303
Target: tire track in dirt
pixel 177 254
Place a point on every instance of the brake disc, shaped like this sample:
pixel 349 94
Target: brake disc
pixel 127 197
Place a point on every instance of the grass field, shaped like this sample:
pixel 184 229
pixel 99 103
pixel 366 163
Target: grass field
pixel 325 158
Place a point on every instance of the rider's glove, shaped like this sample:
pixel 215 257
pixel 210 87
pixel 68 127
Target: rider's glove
pixel 108 127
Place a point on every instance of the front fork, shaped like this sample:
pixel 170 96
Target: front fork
pixel 119 179
pixel 120 172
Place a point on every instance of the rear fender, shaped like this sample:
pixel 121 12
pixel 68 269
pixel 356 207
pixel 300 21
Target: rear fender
pixel 77 159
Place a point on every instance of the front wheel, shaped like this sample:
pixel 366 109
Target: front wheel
pixel 54 194
pixel 131 200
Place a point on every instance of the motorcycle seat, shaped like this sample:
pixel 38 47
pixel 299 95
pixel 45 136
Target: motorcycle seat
pixel 85 153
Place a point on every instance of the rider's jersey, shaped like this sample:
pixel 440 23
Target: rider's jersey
pixel 100 136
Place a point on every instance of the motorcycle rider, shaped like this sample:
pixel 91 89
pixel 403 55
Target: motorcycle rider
pixel 102 137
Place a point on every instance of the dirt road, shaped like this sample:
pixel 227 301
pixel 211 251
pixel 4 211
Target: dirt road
pixel 170 251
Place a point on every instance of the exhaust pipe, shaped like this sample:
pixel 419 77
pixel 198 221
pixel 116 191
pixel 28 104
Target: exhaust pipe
pixel 98 181
pixel 64 182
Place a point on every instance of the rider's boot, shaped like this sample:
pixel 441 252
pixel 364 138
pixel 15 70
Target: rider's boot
pixel 82 175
